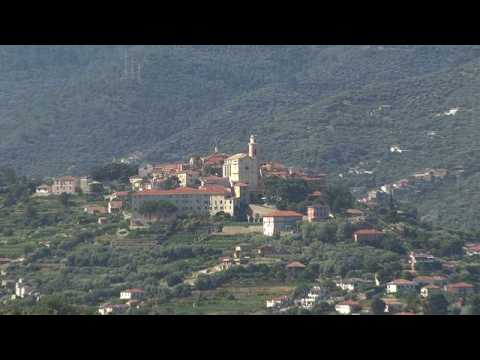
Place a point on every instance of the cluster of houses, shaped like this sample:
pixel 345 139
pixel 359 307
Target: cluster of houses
pixel 67 185
pixel 394 292
pixel 221 183
pixel 419 181
pixel 218 183
pixel 283 303
pixel 134 300
pixel 19 289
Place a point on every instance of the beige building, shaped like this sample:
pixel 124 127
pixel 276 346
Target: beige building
pixel 243 168
pixel 280 221
pixel 64 184
pixel 206 201
pixel 318 212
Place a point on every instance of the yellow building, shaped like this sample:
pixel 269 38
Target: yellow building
pixel 243 168
pixel 189 201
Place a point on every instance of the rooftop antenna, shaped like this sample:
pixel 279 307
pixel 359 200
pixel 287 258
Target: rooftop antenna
pixel 139 72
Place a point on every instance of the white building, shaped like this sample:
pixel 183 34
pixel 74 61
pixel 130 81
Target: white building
pixel 399 286
pixel 22 289
pixel 351 284
pixel 313 297
pixel 132 294
pixel 113 309
pixel 430 290
pixel 279 221
pixel 277 302
pixel 347 307
pixel 43 190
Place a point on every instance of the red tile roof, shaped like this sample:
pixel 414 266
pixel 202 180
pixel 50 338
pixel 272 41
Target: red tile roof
pixel 116 204
pixel 430 278
pixel 402 282
pixel 460 285
pixel 215 189
pixel 66 178
pixel 283 213
pixel 312 178
pixel 241 184
pixel 431 286
pixel 215 159
pixel 295 264
pixel 121 193
pixel 350 303
pixel 316 194
pixel 473 247
pixel 135 290
pixel 354 212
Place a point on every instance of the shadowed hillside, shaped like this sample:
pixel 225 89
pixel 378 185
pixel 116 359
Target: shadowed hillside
pixel 67 108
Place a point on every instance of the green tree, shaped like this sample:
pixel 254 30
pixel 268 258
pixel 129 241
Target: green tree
pixel 159 208
pixel 345 231
pixel 475 305
pixel 171 183
pixel 325 232
pixel 114 171
pixel 378 306
pixel 30 212
pixel 437 304
pixel 283 192
pixel 338 198
pixel 64 199
pixel 174 279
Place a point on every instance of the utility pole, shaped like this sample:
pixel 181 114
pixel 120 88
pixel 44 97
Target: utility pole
pixel 125 68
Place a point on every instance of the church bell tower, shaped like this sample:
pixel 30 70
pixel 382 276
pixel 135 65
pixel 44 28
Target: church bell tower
pixel 252 147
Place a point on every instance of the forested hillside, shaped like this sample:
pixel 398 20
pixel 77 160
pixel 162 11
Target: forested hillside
pixel 67 108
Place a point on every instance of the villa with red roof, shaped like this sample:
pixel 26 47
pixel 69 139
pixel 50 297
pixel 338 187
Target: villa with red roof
pixel 279 221
pixel 115 206
pixel 460 288
pixel 367 235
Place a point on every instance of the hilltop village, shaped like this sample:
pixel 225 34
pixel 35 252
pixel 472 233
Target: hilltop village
pixel 226 233
pixel 230 185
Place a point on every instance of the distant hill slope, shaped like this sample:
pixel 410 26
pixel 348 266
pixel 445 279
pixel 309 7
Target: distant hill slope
pixel 66 108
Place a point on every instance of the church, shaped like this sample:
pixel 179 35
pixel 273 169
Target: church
pixel 243 168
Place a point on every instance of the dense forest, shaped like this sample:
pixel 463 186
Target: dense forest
pixel 67 109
